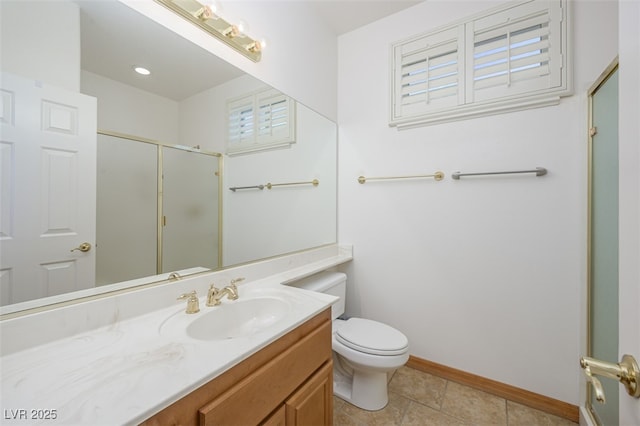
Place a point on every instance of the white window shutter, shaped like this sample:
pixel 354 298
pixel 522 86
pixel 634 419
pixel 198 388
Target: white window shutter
pixel 274 117
pixel 511 53
pixel 426 73
pixel 240 121
pixel 260 120
pixel 509 58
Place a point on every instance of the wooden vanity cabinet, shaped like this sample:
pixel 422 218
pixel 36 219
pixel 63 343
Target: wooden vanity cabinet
pixel 289 382
pixel 310 405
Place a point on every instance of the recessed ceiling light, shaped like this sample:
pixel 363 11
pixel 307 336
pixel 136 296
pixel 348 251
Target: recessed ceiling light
pixel 142 70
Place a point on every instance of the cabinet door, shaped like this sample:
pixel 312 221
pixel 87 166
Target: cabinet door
pixel 312 404
pixel 276 419
pixel 253 398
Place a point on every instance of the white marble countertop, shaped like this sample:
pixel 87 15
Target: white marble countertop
pixel 125 372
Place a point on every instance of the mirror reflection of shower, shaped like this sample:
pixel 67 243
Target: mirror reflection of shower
pixel 158 209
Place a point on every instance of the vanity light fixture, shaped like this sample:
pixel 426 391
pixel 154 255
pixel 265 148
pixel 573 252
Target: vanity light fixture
pixel 205 16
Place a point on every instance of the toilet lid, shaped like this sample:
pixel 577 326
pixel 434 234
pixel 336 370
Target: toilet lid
pixel 371 337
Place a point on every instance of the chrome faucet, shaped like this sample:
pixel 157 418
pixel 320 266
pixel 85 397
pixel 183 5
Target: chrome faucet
pixel 215 295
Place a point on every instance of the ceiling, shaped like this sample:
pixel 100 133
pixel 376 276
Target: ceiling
pixel 348 15
pixel 112 54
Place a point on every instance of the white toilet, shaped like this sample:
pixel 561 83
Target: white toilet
pixel 365 352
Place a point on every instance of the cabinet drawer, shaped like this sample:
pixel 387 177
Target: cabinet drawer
pixel 252 399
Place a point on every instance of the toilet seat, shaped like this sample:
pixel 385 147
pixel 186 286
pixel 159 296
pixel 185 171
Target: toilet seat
pixel 371 337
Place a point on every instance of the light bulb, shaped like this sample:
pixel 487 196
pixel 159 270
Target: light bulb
pixel 243 27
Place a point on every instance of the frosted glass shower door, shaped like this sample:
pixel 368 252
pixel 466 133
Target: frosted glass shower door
pixel 190 210
pixel 604 241
pixel 127 223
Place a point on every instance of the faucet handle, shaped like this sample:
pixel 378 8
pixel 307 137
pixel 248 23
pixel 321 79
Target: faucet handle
pixel 212 295
pixel 193 305
pixel 236 280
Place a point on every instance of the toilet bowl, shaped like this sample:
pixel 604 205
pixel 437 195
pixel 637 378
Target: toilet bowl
pixel 365 352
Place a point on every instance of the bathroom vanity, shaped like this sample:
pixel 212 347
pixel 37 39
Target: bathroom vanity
pixel 287 383
pixel 139 358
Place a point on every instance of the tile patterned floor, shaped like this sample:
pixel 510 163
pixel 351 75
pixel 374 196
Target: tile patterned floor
pixel 419 399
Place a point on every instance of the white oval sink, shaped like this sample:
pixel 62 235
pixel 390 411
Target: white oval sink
pixel 239 318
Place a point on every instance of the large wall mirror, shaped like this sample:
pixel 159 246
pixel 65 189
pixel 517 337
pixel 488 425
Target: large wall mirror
pixel 138 167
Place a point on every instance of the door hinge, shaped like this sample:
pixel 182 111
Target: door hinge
pixel 593 131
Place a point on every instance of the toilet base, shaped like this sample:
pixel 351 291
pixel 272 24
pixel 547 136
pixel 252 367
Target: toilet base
pixel 366 390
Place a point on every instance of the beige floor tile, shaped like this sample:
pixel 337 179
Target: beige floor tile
pixel 390 415
pixel 418 386
pixel 474 406
pixel 420 415
pixel 341 419
pixel 420 399
pixel 521 415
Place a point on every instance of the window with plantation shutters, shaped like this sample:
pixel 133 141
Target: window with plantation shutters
pixel 428 73
pixel 510 58
pixel 240 119
pixel 260 120
pixel 273 116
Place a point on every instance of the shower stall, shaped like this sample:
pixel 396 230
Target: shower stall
pixel 158 208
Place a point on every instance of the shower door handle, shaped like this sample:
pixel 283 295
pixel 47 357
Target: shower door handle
pixel 626 371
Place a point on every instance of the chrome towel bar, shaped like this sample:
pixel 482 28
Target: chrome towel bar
pixel 539 171
pixel 270 185
pixel 235 188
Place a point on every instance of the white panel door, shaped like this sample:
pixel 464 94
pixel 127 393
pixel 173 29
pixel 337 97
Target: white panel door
pixel 48 204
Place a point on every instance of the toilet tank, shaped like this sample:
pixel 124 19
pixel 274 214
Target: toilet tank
pixel 333 283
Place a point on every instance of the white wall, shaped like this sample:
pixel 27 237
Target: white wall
pixel 41 41
pixel 482 274
pixel 146 115
pixel 300 59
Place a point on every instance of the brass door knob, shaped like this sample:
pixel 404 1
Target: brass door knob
pixel 84 247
